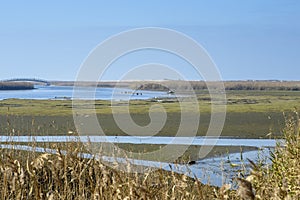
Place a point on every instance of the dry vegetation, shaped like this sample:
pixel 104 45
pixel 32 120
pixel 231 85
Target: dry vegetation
pixel 281 180
pixel 262 85
pixel 228 85
pixel 166 85
pixel 31 175
pixel 59 176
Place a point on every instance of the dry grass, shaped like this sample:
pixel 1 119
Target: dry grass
pixel 229 85
pixel 32 175
pixel 281 179
pixel 67 176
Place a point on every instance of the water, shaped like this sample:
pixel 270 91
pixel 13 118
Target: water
pixel 215 171
pixel 66 92
pixel 197 141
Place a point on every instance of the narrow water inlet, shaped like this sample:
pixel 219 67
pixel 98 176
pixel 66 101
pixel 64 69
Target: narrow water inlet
pixel 197 141
pixel 215 171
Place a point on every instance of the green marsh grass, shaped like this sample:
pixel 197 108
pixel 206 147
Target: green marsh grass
pixel 250 114
pixel 281 178
pixel 34 175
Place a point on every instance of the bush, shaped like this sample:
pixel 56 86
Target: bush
pixel 281 179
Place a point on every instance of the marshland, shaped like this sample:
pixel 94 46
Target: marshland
pixel 60 170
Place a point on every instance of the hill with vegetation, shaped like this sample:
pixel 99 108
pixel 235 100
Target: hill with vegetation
pixel 16 86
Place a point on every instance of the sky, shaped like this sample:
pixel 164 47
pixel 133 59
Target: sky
pixel 247 40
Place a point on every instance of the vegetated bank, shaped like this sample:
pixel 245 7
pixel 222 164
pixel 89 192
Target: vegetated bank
pixel 249 114
pixel 228 85
pixel 16 86
pixel 165 85
pixel 66 175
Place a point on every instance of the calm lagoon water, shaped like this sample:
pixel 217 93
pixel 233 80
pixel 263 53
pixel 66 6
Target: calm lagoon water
pixel 66 92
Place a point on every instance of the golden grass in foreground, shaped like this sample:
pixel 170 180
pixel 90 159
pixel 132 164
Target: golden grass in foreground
pixel 30 175
pixel 282 179
pixel 44 176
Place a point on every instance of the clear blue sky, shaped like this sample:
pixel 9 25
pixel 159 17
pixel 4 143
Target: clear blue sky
pixel 246 39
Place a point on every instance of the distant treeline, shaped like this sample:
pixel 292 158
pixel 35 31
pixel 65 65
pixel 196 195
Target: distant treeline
pixel 228 85
pixel 254 85
pixel 196 85
pixel 16 86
